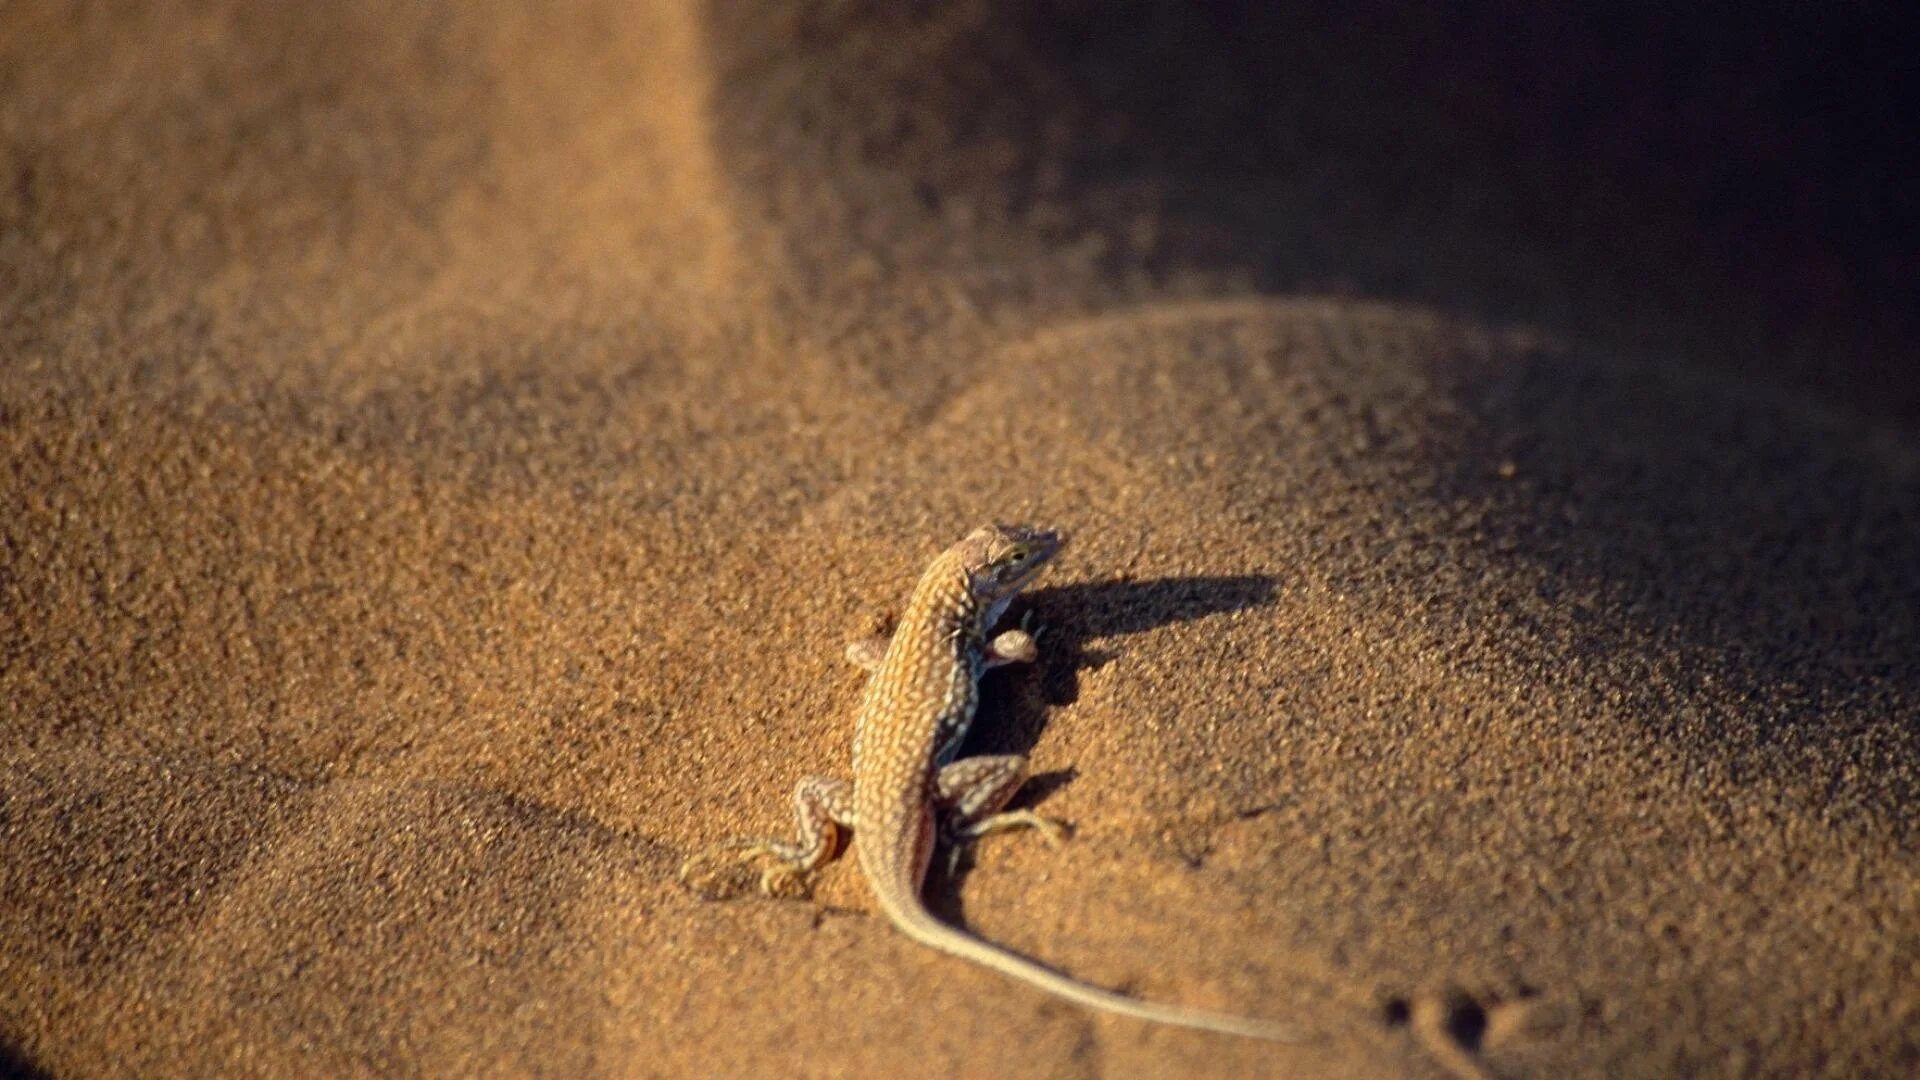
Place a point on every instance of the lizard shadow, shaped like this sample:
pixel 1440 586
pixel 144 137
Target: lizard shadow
pixel 1073 618
pixel 1076 620
pixel 14 1063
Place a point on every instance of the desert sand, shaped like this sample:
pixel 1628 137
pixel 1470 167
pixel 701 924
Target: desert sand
pixel 444 452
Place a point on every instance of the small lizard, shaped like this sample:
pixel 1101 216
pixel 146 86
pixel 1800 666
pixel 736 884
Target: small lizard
pixel 908 786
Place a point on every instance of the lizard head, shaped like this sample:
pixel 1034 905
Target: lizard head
pixel 1000 560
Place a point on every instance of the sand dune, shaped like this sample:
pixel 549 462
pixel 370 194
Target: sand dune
pixel 446 452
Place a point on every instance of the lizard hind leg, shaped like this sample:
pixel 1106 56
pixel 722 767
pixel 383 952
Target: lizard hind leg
pixel 970 793
pixel 822 806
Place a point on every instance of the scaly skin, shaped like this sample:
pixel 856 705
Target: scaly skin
pixel 908 790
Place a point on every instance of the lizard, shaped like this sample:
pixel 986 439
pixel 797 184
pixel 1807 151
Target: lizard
pixel 910 789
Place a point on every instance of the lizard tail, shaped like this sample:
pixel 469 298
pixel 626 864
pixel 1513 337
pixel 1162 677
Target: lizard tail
pixel 914 920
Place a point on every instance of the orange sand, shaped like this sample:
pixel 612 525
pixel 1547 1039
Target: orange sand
pixel 445 452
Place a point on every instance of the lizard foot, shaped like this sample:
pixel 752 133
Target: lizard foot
pixel 714 877
pixel 784 881
pixel 1054 831
pixel 723 871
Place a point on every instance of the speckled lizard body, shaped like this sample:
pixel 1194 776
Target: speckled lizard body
pixel 908 786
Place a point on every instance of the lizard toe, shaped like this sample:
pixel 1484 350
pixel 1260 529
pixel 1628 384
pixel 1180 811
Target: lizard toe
pixel 784 882
pixel 1052 830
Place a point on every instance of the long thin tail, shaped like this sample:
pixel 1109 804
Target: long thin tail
pixel 914 920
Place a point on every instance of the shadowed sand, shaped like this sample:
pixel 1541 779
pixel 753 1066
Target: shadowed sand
pixel 444 454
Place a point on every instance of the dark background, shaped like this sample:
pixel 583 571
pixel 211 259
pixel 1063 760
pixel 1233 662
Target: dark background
pixel 1726 185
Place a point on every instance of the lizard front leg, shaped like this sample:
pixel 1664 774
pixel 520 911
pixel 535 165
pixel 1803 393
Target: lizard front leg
pixel 1021 646
pixel 822 806
pixel 868 652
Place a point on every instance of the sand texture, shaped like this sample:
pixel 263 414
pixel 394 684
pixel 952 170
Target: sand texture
pixel 444 450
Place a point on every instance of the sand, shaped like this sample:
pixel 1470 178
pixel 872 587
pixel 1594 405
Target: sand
pixel 445 451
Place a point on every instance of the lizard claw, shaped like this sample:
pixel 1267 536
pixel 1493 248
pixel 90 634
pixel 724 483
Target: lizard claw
pixel 1054 831
pixel 781 880
pixel 720 872
pixel 709 876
